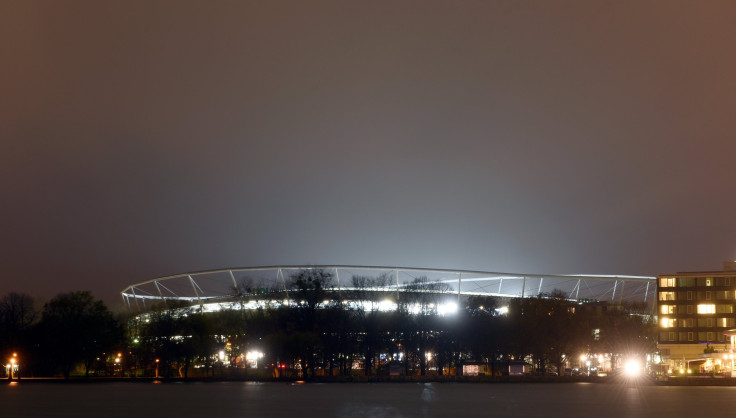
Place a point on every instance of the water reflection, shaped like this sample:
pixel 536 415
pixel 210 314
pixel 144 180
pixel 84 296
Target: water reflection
pixel 374 400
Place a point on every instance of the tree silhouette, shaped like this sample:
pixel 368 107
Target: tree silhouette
pixel 78 329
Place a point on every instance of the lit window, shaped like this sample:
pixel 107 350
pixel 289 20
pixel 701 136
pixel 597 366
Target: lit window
pixel 706 308
pixel 667 309
pixel 667 322
pixel 666 295
pixel 667 282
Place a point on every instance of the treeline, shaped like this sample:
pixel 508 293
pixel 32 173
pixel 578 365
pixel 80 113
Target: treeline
pixel 72 330
pixel 312 328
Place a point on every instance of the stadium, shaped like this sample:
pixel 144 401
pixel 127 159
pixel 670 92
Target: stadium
pixel 338 320
pixel 215 290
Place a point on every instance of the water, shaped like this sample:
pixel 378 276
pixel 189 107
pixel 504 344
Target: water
pixel 207 400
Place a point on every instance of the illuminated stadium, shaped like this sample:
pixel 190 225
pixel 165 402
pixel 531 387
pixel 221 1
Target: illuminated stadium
pixel 376 288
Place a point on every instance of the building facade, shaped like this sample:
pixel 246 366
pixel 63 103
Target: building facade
pixel 696 313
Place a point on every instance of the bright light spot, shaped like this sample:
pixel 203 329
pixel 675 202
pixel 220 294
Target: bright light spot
pixel 447 308
pixel 632 368
pixel 221 354
pixel 502 310
pixel 252 357
pixel 387 305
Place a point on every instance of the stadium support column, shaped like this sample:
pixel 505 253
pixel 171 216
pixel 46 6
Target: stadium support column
pixel 135 298
pixel 397 286
pixel 160 294
pixel 283 281
pixel 235 284
pixel 539 292
pixel 613 295
pixel 339 289
pixel 194 287
pixel 523 286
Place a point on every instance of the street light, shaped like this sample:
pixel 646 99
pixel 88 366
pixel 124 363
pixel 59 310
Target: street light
pixel 12 367
pixel 118 366
pixel 583 358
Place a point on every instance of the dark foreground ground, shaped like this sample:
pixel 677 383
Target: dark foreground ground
pixel 639 398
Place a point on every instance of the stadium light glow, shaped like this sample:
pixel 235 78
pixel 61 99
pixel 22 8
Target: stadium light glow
pixel 447 308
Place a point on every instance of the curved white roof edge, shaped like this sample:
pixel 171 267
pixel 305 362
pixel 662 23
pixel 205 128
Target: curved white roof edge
pixel 130 290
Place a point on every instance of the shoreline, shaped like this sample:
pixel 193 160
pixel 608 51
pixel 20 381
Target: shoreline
pixel 673 381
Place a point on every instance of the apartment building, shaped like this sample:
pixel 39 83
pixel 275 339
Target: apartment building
pixel 696 318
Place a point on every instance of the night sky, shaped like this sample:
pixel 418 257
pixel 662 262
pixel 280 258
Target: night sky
pixel 148 138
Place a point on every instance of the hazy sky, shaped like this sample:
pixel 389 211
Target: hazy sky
pixel 148 138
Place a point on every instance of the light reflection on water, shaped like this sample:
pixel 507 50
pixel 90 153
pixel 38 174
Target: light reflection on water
pixel 358 400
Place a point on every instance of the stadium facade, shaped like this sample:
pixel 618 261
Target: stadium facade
pixel 415 328
pixel 215 290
